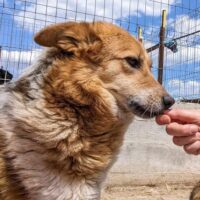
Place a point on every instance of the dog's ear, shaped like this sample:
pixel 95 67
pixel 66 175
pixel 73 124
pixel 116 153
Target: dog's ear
pixel 71 37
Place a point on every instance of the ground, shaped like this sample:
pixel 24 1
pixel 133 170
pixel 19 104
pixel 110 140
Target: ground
pixel 151 192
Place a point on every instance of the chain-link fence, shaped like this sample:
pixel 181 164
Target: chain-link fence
pixel 20 19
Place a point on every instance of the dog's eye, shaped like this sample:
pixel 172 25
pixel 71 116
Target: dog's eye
pixel 133 62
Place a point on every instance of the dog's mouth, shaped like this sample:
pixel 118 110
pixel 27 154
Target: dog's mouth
pixel 144 111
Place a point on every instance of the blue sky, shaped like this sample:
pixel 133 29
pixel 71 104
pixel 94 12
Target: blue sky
pixel 20 19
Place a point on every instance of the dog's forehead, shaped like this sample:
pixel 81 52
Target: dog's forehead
pixel 119 40
pixel 107 30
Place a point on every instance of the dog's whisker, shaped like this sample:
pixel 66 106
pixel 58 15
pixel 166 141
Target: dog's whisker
pixel 145 111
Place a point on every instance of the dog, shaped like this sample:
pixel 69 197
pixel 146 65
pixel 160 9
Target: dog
pixel 63 121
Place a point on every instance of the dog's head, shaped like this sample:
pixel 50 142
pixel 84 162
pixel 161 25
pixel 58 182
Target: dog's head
pixel 103 58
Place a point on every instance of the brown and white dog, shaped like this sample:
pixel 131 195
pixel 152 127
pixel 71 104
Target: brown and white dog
pixel 62 123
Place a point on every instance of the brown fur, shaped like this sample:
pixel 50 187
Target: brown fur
pixel 64 121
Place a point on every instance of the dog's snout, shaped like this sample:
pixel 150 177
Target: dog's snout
pixel 168 101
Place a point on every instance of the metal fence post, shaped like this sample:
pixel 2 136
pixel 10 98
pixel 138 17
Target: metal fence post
pixel 140 38
pixel 161 47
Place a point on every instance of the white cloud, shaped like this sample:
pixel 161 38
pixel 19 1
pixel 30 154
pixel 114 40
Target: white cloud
pixel 52 11
pixel 182 25
pixel 181 88
pixel 185 55
pixel 20 56
pixel 16 61
pixel 148 44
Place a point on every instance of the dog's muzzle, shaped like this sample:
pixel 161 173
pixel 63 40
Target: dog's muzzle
pixel 149 110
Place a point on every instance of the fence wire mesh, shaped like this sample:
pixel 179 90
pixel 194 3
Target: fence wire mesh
pixel 20 19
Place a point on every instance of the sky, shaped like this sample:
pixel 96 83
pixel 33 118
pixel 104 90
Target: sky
pixel 20 19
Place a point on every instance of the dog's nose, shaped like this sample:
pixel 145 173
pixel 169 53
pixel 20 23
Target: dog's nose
pixel 168 101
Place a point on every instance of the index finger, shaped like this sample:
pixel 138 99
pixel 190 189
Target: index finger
pixel 189 116
pixel 180 130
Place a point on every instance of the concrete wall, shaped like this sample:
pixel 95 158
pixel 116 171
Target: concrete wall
pixel 148 156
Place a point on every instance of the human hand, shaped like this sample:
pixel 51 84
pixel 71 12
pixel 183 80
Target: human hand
pixel 184 126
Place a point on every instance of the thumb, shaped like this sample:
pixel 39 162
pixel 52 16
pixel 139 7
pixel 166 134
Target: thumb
pixel 188 116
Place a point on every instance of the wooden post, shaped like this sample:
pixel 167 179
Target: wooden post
pixel 140 34
pixel 161 47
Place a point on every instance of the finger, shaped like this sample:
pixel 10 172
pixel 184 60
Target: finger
pixel 163 119
pixel 176 129
pixel 181 141
pixel 190 116
pixel 192 148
